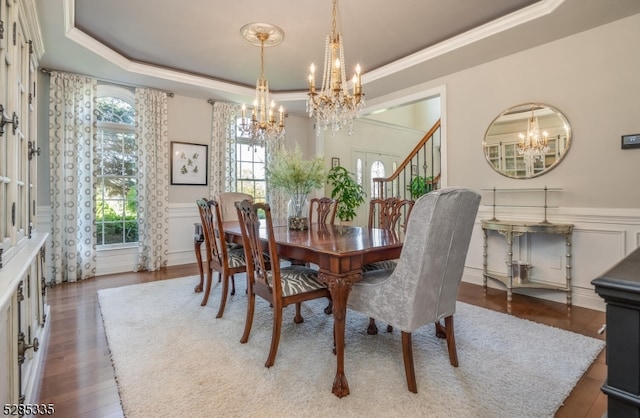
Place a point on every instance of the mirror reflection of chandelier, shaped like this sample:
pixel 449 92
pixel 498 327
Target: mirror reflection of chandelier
pixel 262 126
pixel 534 143
pixel 334 106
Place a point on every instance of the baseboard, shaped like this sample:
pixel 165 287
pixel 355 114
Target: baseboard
pixel 585 298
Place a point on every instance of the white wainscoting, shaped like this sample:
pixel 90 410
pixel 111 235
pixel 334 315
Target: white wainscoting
pixel 601 238
pixel 120 260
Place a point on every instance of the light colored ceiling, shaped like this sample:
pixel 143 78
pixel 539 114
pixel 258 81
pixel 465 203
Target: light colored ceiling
pixel 194 48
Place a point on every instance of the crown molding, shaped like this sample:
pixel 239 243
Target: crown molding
pixel 519 17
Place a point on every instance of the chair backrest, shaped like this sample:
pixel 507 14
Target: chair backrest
pixel 325 210
pixel 259 260
pixel 432 261
pixel 387 213
pixel 227 202
pixel 214 237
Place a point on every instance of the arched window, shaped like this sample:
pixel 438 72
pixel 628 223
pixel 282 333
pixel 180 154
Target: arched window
pixel 377 170
pixel 117 165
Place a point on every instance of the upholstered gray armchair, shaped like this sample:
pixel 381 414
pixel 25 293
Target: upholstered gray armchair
pixel 424 285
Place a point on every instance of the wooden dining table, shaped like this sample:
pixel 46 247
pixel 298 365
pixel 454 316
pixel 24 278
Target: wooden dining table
pixel 339 251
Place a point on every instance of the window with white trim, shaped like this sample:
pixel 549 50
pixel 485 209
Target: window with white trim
pixel 117 164
pixel 250 161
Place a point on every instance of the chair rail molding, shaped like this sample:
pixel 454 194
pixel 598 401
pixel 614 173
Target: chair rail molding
pixel 601 237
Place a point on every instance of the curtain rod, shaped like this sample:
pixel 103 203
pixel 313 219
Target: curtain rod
pixel 116 83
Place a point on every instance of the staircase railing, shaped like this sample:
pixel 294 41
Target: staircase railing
pixel 419 173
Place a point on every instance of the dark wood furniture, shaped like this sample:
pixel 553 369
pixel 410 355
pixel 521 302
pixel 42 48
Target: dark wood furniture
pixel 324 208
pixel 387 213
pixel 226 261
pixel 198 239
pixel 280 286
pixel 340 252
pixel 620 289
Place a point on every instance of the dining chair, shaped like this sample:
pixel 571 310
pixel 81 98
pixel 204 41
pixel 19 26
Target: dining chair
pixel 281 286
pixel 227 201
pixel 325 210
pixel 224 260
pixel 423 287
pixel 387 214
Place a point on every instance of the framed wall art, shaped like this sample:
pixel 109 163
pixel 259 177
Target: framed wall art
pixel 189 164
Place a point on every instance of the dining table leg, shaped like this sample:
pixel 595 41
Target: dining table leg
pixel 340 287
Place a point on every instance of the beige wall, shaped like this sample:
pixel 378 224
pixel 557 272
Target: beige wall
pixel 591 77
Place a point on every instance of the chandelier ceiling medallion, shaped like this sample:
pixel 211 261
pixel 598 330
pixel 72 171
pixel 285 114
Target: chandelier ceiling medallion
pixel 534 144
pixel 262 126
pixel 333 105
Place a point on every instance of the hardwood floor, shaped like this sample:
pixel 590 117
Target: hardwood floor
pixel 78 377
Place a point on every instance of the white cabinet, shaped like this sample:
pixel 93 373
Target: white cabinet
pixel 23 321
pixel 23 310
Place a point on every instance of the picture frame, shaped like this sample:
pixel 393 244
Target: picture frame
pixel 189 164
pixel 335 162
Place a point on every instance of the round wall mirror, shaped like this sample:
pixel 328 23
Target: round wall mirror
pixel 527 140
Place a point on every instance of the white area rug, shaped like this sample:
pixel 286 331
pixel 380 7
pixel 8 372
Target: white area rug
pixel 172 358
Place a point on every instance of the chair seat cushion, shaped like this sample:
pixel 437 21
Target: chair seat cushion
pixel 298 279
pixel 373 277
pixel 236 258
pixel 380 265
pixel 233 246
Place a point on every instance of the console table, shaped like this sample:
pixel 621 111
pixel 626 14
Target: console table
pixel 512 229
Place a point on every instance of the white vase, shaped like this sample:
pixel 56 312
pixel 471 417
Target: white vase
pixel 298 212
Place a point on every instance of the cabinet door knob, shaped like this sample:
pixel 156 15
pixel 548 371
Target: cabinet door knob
pixel 4 119
pixel 23 346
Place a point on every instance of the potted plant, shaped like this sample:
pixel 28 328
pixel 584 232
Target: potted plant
pixel 347 191
pixel 420 185
pixel 288 171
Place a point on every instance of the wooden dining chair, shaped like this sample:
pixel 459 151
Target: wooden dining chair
pixel 224 260
pixel 388 214
pixel 423 288
pixel 281 286
pixel 325 210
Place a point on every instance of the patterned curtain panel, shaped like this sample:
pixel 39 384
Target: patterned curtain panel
pixel 223 134
pixel 153 179
pixel 72 174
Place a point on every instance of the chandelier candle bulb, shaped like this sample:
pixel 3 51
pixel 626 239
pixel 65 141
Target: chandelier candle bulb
pixel 312 78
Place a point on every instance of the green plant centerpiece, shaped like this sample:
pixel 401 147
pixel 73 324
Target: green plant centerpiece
pixel 288 171
pixel 347 191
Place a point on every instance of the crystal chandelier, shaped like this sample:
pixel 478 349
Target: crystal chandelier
pixel 262 126
pixel 334 106
pixel 534 143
